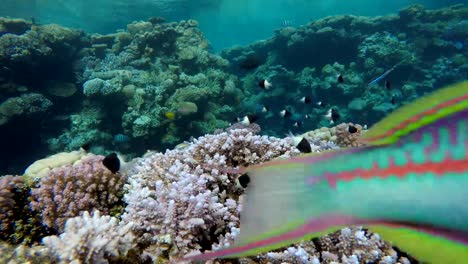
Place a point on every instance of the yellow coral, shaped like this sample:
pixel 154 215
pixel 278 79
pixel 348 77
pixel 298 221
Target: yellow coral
pixel 41 167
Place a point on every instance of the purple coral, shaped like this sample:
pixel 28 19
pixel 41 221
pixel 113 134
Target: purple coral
pixel 179 204
pixel 66 191
pixel 10 186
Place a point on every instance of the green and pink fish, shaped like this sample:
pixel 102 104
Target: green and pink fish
pixel 410 185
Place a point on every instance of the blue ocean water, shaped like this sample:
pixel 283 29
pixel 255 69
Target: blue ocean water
pixel 147 108
pixel 224 22
pixel 122 89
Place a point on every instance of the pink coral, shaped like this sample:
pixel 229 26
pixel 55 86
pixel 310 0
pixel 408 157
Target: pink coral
pixel 10 187
pixel 176 202
pixel 66 191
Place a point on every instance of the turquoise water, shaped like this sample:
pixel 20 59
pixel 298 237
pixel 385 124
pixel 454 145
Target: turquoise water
pixel 144 109
pixel 224 22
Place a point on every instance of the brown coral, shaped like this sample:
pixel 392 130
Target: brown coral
pixel 345 138
pixel 67 191
pixel 10 188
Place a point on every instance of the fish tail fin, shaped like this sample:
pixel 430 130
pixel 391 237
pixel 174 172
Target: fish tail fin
pixel 298 198
pixel 279 192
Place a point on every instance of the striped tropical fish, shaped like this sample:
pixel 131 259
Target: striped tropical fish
pixel 410 185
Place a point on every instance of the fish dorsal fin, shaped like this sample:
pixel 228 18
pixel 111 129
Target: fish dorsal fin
pixel 419 113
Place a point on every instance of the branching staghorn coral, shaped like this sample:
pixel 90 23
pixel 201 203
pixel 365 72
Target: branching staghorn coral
pixel 91 239
pixel 181 201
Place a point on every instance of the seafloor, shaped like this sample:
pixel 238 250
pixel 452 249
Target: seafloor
pixel 157 84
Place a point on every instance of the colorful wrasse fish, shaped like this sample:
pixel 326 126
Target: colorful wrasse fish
pixel 410 185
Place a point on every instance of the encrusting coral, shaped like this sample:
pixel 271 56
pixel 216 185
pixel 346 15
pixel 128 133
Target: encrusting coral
pixel 67 191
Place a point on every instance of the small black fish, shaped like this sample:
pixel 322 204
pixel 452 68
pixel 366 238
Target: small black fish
pixel 352 129
pixel 393 100
pixel 332 115
pixel 306 116
pixel 264 84
pixel 285 113
pixel 297 124
pixel 388 85
pixel 247 120
pixel 304 146
pixel 112 162
pixel 244 180
pixel 335 115
pixel 265 109
pixel 340 78
pixel 305 100
pixel 320 104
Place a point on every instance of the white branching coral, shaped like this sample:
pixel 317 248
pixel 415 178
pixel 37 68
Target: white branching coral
pixel 91 239
pixel 183 200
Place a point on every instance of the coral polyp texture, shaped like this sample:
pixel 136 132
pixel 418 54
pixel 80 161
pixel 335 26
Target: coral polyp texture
pixel 11 189
pixel 183 200
pixel 91 239
pixel 67 191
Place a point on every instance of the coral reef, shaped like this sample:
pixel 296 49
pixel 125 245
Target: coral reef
pixel 25 105
pixel 91 239
pixel 67 191
pixel 40 168
pixel 156 84
pixel 154 68
pixel 340 135
pixel 138 82
pixel 177 203
pixel 182 200
pixel 18 223
pixel 24 254
pixel 428 47
pixel 11 190
pixel 348 245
